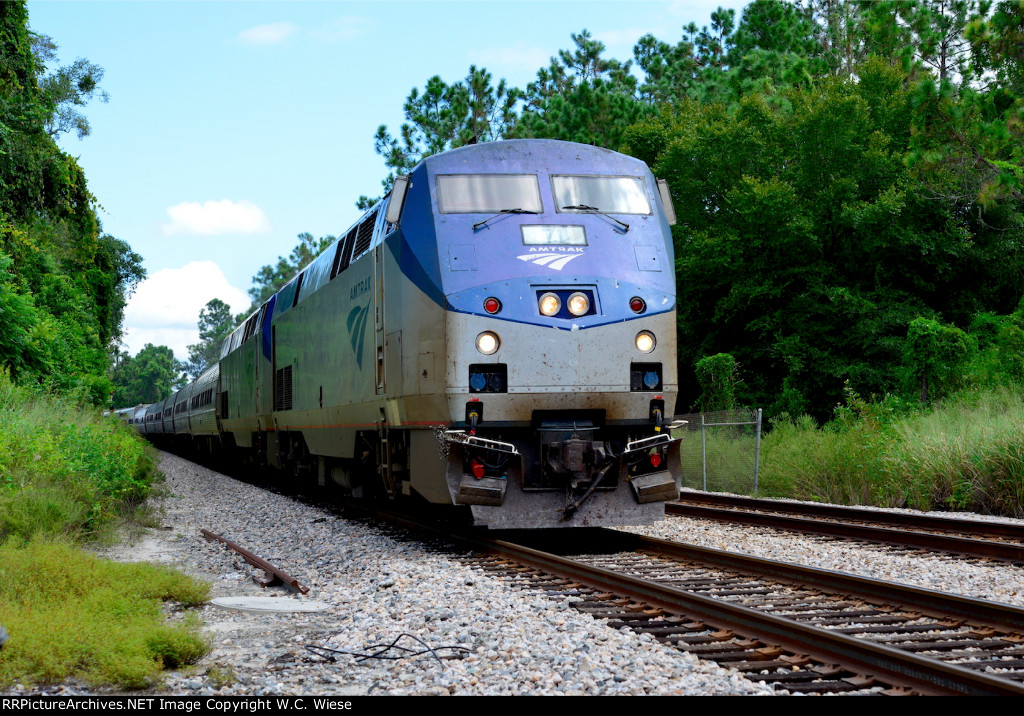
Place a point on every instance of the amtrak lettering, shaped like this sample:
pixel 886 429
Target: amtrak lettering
pixel 360 288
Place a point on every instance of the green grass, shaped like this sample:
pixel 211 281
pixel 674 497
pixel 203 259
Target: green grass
pixel 70 614
pixel 69 476
pixel 965 453
pixel 64 469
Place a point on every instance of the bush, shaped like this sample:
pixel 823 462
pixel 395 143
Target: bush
pixel 65 469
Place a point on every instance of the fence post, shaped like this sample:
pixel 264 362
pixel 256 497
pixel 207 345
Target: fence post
pixel 703 455
pixel 757 449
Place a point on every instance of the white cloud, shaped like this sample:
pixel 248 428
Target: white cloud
pixel 519 56
pixel 271 34
pixel 216 217
pixel 343 29
pixel 164 310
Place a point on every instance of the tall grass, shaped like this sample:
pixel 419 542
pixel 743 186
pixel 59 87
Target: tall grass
pixel 65 470
pixel 69 476
pixel 966 453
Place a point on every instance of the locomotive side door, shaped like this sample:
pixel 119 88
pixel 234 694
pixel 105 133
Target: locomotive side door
pixel 378 317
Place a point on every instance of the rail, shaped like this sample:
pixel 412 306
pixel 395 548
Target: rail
pixel 274 574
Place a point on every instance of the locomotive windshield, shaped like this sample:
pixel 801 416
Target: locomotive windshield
pixel 486 193
pixel 610 195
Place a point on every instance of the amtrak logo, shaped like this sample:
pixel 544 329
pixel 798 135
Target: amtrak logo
pixel 551 260
pixel 356 322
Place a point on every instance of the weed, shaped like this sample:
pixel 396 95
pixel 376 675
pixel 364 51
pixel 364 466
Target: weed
pixel 221 676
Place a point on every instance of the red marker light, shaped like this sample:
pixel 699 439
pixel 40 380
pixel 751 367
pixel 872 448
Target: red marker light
pixel 478 469
pixel 637 304
pixel 492 305
pixel 655 460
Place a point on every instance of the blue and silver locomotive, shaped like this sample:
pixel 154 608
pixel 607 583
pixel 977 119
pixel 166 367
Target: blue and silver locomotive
pixel 498 332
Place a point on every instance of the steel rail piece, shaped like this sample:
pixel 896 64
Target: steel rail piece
pixel 900 668
pixel 275 576
pixel 1006 551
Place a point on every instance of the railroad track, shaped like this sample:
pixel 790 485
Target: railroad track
pixel 1002 541
pixel 801 629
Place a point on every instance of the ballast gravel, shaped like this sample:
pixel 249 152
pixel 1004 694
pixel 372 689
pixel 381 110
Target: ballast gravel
pixel 382 588
pixel 977 578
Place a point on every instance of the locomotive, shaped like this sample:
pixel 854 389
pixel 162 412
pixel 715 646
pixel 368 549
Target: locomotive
pixel 498 332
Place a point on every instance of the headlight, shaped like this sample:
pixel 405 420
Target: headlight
pixel 645 341
pixel 488 343
pixel 578 304
pixel 550 304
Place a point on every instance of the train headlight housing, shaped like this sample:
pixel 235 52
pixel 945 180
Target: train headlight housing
pixel 645 341
pixel 550 304
pixel 488 343
pixel 578 304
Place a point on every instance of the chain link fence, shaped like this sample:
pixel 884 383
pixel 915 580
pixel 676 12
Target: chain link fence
pixel 721 450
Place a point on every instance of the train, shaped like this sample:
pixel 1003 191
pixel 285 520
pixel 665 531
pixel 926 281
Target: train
pixel 497 333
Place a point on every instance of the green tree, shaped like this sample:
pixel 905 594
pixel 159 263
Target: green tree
pixel 775 42
pixel 152 375
pixel 581 96
pixel 67 89
pixel 443 117
pixel 805 246
pixel 936 355
pixel 718 377
pixel 215 323
pixel 63 283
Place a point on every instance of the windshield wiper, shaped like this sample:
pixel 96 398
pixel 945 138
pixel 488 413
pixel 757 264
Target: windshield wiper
pixel 584 207
pixel 478 224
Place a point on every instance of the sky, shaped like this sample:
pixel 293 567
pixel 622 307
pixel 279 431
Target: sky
pixel 232 127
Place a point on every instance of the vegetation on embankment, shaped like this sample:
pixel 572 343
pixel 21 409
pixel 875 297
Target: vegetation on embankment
pixel 73 615
pixel 965 452
pixel 70 476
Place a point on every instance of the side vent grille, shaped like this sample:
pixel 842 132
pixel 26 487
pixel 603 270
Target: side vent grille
pixel 365 237
pixel 283 389
pixel 344 257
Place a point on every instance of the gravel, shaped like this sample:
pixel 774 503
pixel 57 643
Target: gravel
pixel 380 588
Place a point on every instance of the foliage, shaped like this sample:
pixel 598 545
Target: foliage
pixel 717 376
pixel 935 355
pixel 805 246
pixel 61 607
pixel 215 323
pixel 63 284
pixel 67 89
pixel 580 97
pixel 152 375
pixel 969 120
pixel 64 471
pixel 444 117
